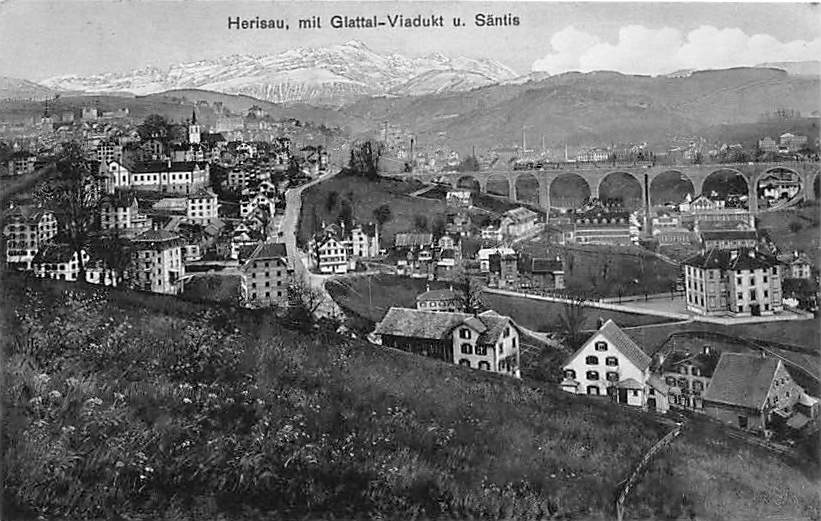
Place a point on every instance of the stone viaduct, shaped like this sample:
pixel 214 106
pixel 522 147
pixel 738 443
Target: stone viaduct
pixel 594 176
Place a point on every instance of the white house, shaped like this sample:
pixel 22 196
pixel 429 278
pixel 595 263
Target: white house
pixel 332 255
pixel 611 364
pixel 484 256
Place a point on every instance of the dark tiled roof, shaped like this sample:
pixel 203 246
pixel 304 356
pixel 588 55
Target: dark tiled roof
pixel 742 380
pixel 745 259
pixel 732 234
pixel 540 265
pixel 202 193
pixel 270 250
pixel 431 325
pixel 28 212
pixel 54 253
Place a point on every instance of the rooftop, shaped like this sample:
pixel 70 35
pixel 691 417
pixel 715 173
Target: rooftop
pixel 742 380
pixel 433 325
pixel 740 259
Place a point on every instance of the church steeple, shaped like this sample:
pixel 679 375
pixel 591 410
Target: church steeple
pixel 193 129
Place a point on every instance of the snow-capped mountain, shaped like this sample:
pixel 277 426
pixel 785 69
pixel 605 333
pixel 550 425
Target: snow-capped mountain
pixel 334 74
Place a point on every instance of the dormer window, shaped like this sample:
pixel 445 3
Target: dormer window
pixel 601 346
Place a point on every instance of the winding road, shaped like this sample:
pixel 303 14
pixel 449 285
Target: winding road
pixel 296 257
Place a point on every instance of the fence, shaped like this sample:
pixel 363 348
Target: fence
pixel 634 476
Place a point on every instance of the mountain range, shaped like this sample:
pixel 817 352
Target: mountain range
pixel 329 75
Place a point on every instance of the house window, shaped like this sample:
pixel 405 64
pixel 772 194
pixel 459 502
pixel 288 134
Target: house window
pixel 570 373
pixel 592 390
pixel 601 346
pixel 635 392
pixel 467 349
pixel 611 360
pixel 698 386
pixel 464 333
pixel 591 360
pixel 612 376
pixel 696 371
pixel 682 382
pixel 682 369
pixel 484 365
pixel 742 422
pixel 592 375
pixel 507 332
pixel 464 362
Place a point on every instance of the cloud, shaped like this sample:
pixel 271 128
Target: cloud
pixel 643 50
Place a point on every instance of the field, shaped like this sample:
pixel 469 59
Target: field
pixel 607 271
pixel 140 408
pixel 364 197
pixel 390 290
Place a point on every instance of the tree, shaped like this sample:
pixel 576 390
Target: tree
pixel 438 229
pixel 420 222
pixel 113 251
pixel 75 198
pixel 382 214
pixel 331 200
pixel 469 291
pixel 304 300
pixel 469 164
pixel 572 318
pixel 155 126
pixel 365 159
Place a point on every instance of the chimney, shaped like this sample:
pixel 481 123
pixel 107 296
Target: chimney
pixel 599 323
pixel 427 286
pixel 706 350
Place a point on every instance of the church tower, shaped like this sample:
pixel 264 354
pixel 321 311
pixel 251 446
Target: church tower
pixel 193 129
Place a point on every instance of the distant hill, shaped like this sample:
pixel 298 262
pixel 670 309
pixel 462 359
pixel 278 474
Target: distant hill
pixel 594 108
pixel 15 89
pixel 806 68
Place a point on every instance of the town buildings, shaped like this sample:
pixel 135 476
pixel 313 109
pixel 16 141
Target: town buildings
pixel 157 262
pixel 202 206
pixel 600 227
pixel 120 213
pixel 21 163
pixel 266 275
pixel 486 341
pixel 738 282
pixel 611 364
pixel 687 376
pixel 27 228
pixel 158 176
pixel 728 239
pixel 459 198
pixel 789 142
pixel 58 261
pixel 439 300
pixel 547 274
pixel 797 264
pixel 518 222
pixel 747 390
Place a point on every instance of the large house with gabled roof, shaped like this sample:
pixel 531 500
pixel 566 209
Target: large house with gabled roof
pixel 266 275
pixel 611 364
pixel 748 390
pixel 486 341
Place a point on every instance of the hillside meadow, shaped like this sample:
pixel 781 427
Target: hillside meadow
pixel 124 405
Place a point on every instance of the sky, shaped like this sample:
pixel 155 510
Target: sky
pixel 40 39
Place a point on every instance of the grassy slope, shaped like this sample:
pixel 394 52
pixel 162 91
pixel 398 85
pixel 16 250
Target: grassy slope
pixel 368 431
pixel 367 196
